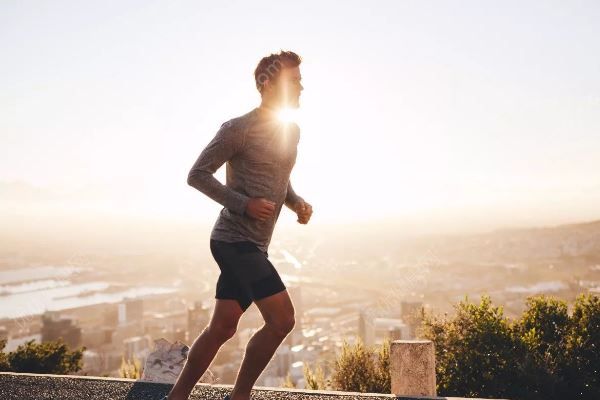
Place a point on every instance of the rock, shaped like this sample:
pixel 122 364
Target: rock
pixel 165 363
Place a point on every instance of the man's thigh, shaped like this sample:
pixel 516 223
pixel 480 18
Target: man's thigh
pixel 226 314
pixel 276 307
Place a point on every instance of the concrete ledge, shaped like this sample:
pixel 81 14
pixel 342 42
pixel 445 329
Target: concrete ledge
pixel 412 367
pixel 66 387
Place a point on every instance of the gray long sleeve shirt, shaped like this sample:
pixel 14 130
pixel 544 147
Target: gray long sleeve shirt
pixel 260 153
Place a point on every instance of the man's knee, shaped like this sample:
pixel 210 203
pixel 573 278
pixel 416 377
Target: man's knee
pixel 282 326
pixel 222 332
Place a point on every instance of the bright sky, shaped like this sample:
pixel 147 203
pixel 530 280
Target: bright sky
pixel 409 107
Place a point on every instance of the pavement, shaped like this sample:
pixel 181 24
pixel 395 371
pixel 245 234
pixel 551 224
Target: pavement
pixel 20 386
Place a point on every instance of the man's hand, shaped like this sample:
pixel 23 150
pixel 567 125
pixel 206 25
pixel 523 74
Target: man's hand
pixel 304 211
pixel 260 208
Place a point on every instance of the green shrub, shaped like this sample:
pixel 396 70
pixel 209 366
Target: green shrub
pixel 41 358
pixel 544 354
pixel 131 369
pixel 360 369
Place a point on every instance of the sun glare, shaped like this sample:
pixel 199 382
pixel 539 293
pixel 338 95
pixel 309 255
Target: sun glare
pixel 288 115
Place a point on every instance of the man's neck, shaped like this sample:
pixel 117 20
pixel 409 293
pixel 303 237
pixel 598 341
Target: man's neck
pixel 269 110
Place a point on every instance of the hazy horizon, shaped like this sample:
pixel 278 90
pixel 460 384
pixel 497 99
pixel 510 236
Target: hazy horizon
pixel 458 120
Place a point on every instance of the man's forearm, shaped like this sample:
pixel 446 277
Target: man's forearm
pixel 291 198
pixel 226 143
pixel 209 185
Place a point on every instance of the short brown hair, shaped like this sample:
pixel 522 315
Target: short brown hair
pixel 270 66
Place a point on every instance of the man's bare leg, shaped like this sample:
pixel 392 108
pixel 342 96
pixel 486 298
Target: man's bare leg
pixel 278 313
pixel 221 328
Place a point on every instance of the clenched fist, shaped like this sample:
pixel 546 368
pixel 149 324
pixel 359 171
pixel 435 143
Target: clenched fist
pixel 260 208
pixel 303 211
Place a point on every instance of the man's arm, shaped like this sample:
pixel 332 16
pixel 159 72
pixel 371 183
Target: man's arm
pixel 226 143
pixel 291 198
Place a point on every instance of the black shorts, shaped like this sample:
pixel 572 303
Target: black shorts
pixel 246 273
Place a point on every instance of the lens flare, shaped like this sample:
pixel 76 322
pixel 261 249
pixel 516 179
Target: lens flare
pixel 288 115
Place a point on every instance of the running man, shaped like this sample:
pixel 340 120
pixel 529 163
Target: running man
pixel 260 152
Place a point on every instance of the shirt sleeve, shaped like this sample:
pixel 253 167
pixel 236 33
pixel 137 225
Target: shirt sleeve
pixel 291 197
pixel 227 142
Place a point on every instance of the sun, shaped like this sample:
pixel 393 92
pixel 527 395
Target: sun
pixel 288 115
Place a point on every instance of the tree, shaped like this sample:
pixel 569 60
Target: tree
pixel 583 348
pixel 474 350
pixel 544 354
pixel 4 365
pixel 542 332
pixel 42 358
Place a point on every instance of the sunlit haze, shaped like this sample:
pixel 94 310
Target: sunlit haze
pixel 411 110
pixel 445 198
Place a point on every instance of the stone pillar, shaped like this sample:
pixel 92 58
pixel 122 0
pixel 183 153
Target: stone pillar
pixel 412 368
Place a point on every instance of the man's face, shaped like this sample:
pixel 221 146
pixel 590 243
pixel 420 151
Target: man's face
pixel 288 87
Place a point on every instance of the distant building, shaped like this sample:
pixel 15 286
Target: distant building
pixel 365 327
pixel 295 336
pixel 282 360
pixel 295 292
pixel 395 333
pixel 55 326
pixel 168 325
pixel 111 315
pixel 388 328
pixel 278 367
pixel 373 330
pixel 137 346
pixel 179 335
pixel 409 311
pixel 130 310
pixel 97 336
pixel 197 319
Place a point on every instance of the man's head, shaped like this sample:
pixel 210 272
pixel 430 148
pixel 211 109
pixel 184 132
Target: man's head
pixel 278 78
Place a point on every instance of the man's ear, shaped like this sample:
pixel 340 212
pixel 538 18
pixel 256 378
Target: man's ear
pixel 266 85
